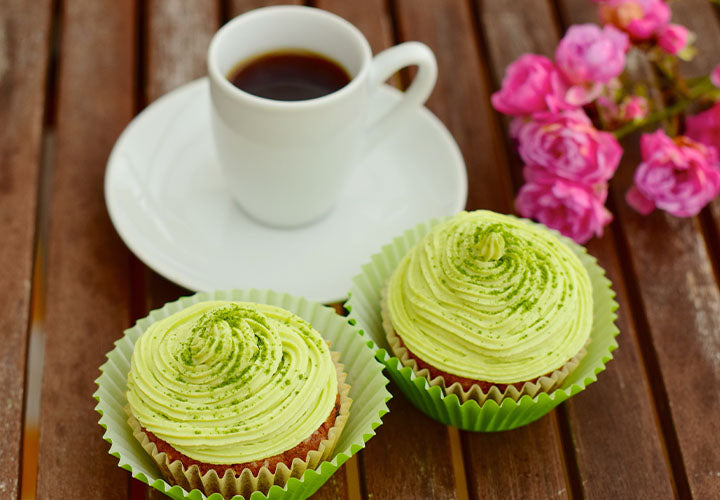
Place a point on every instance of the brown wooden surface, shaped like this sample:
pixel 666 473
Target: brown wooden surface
pixel 461 100
pixel 409 457
pixel 381 480
pixel 24 39
pixel 647 429
pixel 88 288
pixel 690 304
pixel 643 471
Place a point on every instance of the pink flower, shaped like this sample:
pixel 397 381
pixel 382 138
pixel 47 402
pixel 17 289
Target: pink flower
pixel 589 54
pixel 634 108
pixel 641 19
pixel 582 94
pixel 705 127
pixel 673 38
pixel 567 145
pixel 715 76
pixel 577 211
pixel 531 84
pixel 679 176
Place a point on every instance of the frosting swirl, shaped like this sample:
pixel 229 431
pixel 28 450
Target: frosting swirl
pixel 231 382
pixel 491 298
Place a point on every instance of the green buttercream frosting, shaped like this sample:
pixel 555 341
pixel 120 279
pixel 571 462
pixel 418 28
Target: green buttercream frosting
pixel 492 298
pixel 231 382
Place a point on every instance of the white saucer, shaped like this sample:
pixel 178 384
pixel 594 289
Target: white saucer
pixel 166 198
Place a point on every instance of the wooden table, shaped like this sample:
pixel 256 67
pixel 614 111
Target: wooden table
pixel 73 73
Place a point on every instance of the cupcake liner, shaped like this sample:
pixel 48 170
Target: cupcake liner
pixel 365 382
pixel 365 310
pixel 229 484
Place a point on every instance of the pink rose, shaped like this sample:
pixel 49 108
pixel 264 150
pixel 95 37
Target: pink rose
pixel 589 54
pixel 705 127
pixel 673 38
pixel 581 94
pixel 577 211
pixel 641 19
pixel 715 76
pixel 679 176
pixel 531 84
pixel 567 145
pixel 634 108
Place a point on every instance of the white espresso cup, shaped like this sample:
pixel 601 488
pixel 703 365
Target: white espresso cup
pixel 285 162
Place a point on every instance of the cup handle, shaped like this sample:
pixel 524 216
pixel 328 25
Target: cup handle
pixel 384 65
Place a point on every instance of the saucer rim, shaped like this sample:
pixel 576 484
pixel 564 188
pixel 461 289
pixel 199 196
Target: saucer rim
pixel 153 258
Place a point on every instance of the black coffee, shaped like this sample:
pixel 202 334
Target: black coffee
pixel 290 75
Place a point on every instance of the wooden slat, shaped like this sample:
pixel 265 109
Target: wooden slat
pixel 681 303
pixel 177 39
pixel 461 100
pixel 237 7
pixel 389 463
pixel 370 16
pixel 410 456
pixel 177 35
pixel 24 36
pixel 460 97
pixel 523 463
pixel 618 444
pixel 614 406
pixel 88 288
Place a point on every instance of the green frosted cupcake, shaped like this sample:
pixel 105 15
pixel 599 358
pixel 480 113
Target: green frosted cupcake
pixel 233 397
pixel 488 306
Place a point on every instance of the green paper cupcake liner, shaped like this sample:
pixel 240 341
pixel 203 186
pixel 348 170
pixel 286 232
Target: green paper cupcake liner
pixel 364 374
pixel 364 310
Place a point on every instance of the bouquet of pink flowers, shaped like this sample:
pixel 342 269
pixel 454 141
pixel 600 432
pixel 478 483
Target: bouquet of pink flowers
pixel 570 113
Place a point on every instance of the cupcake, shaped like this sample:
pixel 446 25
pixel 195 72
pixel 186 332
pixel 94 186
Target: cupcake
pixel 233 397
pixel 488 306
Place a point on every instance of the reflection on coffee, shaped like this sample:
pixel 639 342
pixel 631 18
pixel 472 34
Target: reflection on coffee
pixel 289 75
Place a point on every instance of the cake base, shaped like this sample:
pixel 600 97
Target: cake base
pixel 300 451
pixel 244 479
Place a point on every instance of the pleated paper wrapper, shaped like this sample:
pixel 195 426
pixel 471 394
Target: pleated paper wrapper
pixel 475 410
pixel 364 385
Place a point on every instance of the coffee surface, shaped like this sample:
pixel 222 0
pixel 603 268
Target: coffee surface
pixel 289 75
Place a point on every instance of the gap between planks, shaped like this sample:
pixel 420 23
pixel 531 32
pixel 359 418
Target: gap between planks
pixel 36 339
pixel 650 363
pixel 649 356
pixel 458 464
pixel 570 467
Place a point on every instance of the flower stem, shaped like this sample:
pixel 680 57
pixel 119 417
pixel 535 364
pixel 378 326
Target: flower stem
pixel 702 87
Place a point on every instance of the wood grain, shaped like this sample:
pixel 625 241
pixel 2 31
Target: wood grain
pixel 429 448
pixel 237 7
pixel 410 456
pixel 461 101
pixel 522 463
pixel 593 415
pixel 24 38
pixel 370 16
pixel 681 304
pixel 177 35
pixel 618 444
pixel 460 98
pixel 88 284
pixel 177 39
